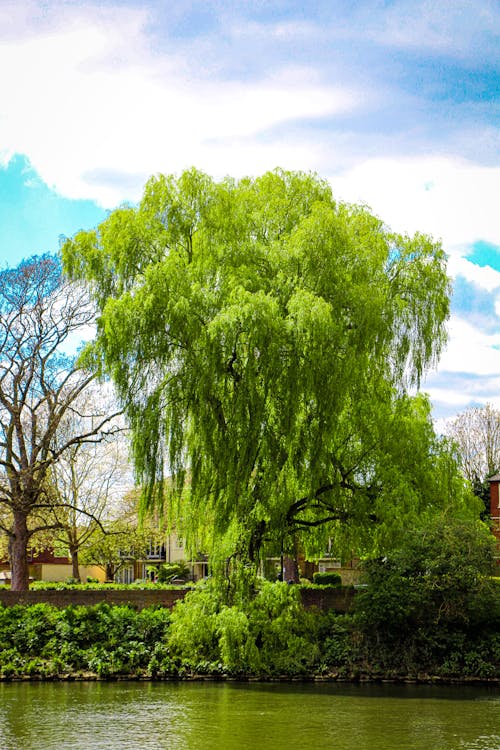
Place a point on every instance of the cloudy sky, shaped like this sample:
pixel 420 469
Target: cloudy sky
pixel 396 103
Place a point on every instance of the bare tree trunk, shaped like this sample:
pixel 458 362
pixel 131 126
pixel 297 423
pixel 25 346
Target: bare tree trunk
pixel 75 564
pixel 19 553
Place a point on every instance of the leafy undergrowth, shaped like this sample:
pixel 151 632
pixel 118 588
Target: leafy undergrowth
pixel 41 640
pixel 266 635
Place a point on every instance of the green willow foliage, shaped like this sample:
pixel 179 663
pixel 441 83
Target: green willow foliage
pixel 270 634
pixel 262 336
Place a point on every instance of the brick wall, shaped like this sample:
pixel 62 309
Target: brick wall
pixel 327 598
pixel 339 599
pixel 135 597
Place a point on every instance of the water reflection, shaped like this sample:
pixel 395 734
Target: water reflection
pixel 236 716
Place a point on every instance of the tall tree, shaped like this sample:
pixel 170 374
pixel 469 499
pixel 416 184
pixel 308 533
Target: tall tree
pixel 262 336
pixel 40 314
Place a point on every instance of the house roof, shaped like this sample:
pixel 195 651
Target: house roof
pixel 494 478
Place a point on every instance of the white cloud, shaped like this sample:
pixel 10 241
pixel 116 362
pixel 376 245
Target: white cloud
pixel 453 27
pixel 97 108
pixel 97 111
pixel 449 402
pixel 469 371
pixel 470 350
pixel 483 276
pixel 282 30
pixel 72 112
pixel 451 199
pixel 456 201
pixel 451 394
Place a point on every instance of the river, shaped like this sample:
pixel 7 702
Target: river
pixel 237 716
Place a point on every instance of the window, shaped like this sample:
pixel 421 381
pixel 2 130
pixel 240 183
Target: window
pixel 125 575
pixel 156 551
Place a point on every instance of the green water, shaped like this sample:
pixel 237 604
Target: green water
pixel 230 716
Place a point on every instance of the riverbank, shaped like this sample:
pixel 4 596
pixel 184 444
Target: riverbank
pixel 251 679
pixel 272 638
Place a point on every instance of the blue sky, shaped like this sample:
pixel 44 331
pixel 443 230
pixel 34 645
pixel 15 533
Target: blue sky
pixel 396 103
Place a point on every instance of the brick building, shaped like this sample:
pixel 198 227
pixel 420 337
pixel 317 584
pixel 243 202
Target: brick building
pixel 495 509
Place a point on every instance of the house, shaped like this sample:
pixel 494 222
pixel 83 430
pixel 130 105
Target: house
pixel 495 510
pixel 49 566
pixel 293 569
pixel 159 554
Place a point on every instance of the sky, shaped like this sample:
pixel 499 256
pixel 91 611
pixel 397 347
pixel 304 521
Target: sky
pixel 395 103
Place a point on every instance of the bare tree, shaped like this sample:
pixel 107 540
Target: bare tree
pixel 476 433
pixel 89 478
pixel 40 314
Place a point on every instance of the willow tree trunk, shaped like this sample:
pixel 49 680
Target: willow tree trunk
pixel 291 564
pixel 18 549
pixel 291 570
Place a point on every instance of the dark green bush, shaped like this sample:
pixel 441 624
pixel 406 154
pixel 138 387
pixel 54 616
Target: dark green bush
pixel 431 606
pixel 93 586
pixel 327 579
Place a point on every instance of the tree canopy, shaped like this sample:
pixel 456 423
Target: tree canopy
pixel 263 336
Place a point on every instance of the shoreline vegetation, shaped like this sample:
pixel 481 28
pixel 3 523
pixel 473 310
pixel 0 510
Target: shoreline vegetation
pixel 270 638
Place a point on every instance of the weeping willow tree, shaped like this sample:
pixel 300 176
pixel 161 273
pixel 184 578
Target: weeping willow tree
pixel 263 337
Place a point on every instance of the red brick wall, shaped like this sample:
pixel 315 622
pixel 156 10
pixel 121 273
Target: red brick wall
pixel 495 509
pixel 135 597
pixel 339 599
pixel 327 598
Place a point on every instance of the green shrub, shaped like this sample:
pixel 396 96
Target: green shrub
pixel 46 641
pixel 168 571
pixel 337 636
pixel 431 605
pixel 327 579
pixel 268 634
pixel 95 585
pixel 193 637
